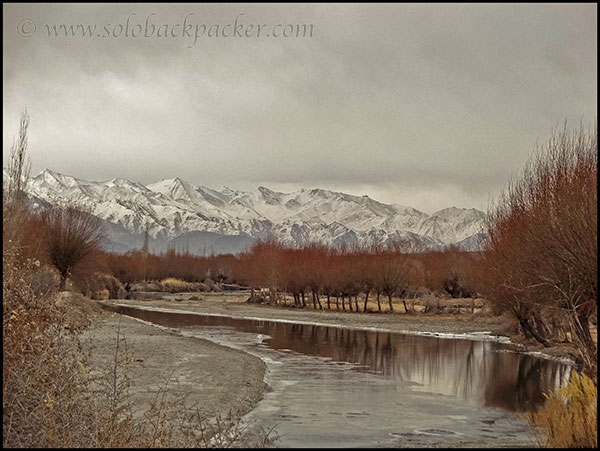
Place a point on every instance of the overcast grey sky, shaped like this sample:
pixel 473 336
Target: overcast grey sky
pixel 423 105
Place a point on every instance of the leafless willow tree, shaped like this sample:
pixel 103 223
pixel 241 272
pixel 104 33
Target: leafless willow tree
pixel 393 271
pixel 540 259
pixel 72 236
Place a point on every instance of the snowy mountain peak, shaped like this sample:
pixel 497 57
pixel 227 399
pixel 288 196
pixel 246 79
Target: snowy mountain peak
pixel 174 209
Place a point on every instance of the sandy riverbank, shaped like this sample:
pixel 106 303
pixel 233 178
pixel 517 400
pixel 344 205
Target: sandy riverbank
pixel 217 379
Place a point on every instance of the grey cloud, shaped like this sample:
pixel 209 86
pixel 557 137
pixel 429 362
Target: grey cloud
pixel 438 102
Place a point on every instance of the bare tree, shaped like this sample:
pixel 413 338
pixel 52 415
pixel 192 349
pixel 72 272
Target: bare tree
pixel 392 272
pixel 13 187
pixel 540 259
pixel 72 237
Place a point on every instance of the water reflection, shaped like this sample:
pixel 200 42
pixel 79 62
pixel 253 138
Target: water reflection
pixel 479 373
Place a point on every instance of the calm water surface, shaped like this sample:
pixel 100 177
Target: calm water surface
pixel 342 387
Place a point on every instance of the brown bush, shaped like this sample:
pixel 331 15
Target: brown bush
pixel 92 285
pixel 44 400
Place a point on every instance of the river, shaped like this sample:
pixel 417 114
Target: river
pixel 341 387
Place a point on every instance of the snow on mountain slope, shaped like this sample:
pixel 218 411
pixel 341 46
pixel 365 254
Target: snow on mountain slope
pixel 172 209
pixel 452 225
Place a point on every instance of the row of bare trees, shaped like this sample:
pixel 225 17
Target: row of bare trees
pixel 540 259
pixel 315 273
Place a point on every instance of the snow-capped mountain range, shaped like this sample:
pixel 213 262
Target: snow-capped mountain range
pixel 207 220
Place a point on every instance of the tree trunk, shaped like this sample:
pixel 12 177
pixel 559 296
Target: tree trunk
pixel 63 282
pixel 328 302
pixel 303 300
pixel 588 350
pixel 390 302
pixel 366 301
pixel 405 307
pixel 337 302
pixel 356 303
pixel 343 304
pixel 378 302
pixel 318 300
pixel 533 332
pixel 314 301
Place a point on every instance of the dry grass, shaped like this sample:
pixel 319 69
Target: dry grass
pixel 172 281
pixel 51 398
pixel 174 285
pixel 569 417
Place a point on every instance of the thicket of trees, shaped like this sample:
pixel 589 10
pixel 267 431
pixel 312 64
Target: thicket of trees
pixel 317 273
pixel 314 275
pixel 540 259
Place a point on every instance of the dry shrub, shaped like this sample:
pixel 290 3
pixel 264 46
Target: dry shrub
pixel 45 398
pixel 114 287
pixel 224 432
pixel 211 285
pixel 53 398
pixel 569 417
pixel 39 380
pixel 42 278
pixel 431 304
pixel 101 295
pixel 147 286
pixel 98 285
pixel 173 285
